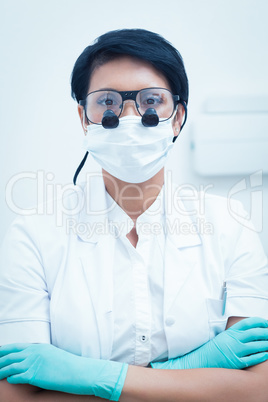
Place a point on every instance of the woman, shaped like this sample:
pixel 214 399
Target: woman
pixel 120 275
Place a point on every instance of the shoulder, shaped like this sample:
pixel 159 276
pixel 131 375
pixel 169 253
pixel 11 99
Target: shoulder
pixel 225 214
pixel 219 220
pixel 47 222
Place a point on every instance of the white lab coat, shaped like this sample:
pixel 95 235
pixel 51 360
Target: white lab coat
pixel 56 281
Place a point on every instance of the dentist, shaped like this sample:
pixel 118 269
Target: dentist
pixel 147 310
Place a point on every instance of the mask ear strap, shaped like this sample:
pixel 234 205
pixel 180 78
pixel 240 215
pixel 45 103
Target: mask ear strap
pixel 80 167
pixel 84 120
pixel 183 103
pixel 78 170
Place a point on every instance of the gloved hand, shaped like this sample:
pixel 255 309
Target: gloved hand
pixel 242 345
pixel 48 367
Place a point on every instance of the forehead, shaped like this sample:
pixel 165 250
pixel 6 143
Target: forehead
pixel 126 73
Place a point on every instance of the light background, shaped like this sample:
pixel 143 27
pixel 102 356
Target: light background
pixel 223 43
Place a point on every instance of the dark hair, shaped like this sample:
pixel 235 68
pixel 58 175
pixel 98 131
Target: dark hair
pixel 139 43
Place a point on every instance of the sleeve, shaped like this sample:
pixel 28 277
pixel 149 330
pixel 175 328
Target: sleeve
pixel 24 299
pixel 247 273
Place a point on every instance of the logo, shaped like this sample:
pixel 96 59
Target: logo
pixel 250 186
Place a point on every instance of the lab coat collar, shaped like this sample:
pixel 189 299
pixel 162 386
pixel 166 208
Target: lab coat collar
pixel 181 224
pixel 123 224
pixel 153 217
pixel 93 219
pixel 119 221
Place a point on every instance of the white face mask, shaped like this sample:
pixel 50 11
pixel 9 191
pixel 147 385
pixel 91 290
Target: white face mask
pixel 130 152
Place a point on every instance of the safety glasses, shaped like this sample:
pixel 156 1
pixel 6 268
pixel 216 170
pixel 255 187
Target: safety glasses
pixel 160 99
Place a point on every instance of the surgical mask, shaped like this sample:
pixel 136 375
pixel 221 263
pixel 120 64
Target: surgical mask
pixel 131 152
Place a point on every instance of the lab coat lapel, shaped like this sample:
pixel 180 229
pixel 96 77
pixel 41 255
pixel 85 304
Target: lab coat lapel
pixel 93 218
pixel 98 272
pixel 179 264
pixel 98 262
pixel 181 251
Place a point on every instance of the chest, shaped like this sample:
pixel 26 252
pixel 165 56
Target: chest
pixel 83 299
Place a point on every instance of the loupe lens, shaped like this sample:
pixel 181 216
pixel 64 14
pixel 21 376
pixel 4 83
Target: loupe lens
pixel 109 119
pixel 150 118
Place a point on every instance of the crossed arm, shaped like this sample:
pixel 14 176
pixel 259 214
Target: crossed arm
pixel 143 384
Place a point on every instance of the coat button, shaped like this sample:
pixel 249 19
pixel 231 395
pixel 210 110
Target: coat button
pixel 143 338
pixel 170 321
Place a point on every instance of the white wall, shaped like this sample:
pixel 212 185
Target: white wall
pixel 223 43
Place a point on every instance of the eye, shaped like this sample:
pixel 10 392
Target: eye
pixel 152 100
pixel 107 101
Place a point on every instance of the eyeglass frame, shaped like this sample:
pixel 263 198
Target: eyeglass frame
pixel 130 95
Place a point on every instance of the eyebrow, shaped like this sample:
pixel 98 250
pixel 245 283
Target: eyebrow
pixel 105 89
pixel 127 90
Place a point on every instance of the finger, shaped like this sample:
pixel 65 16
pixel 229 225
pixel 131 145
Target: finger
pixel 254 334
pixel 13 347
pixel 12 358
pixel 256 347
pixel 248 323
pixel 252 360
pixel 18 379
pixel 12 369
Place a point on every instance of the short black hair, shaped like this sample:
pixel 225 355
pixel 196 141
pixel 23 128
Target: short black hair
pixel 138 43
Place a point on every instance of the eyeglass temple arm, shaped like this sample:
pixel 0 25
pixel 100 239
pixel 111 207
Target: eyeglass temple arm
pixel 184 104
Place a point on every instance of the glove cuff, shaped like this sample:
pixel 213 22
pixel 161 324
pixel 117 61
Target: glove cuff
pixel 169 364
pixel 120 383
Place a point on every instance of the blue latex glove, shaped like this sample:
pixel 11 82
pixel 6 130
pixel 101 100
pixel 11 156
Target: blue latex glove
pixel 48 367
pixel 242 345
